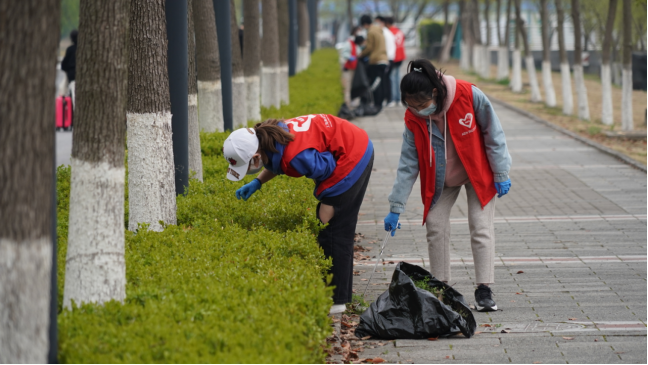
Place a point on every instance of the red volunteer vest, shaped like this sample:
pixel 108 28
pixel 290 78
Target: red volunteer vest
pixel 347 142
pixel 468 141
pixel 399 37
pixel 351 65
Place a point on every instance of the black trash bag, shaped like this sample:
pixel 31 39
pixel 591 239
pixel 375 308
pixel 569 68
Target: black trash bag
pixel 345 112
pixel 360 82
pixel 406 311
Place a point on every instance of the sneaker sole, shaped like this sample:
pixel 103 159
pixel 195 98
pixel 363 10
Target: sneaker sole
pixel 486 309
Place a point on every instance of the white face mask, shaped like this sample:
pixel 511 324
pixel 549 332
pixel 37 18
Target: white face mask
pixel 255 169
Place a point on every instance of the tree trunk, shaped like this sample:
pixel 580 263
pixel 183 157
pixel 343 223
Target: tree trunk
pixel 95 270
pixel 528 58
pixel 195 157
pixel 466 42
pixel 477 53
pixel 606 75
pixel 498 11
pixel 210 97
pixel 486 65
pixel 303 42
pixel 27 92
pixel 503 51
pixel 568 99
pixel 270 56
pixel 350 13
pixel 547 81
pixel 151 174
pixel 283 26
pixel 626 101
pixel 446 14
pixel 239 102
pixel 252 59
pixel 581 91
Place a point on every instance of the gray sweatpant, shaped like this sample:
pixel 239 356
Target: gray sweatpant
pixel 482 235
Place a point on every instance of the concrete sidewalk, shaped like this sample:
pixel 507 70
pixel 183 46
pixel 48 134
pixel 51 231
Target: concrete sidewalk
pixel 574 223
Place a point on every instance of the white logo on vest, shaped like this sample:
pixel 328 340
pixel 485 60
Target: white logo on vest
pixel 467 121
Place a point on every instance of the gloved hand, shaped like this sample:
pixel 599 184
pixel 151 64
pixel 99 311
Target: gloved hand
pixel 391 223
pixel 248 189
pixel 503 187
pixel 352 58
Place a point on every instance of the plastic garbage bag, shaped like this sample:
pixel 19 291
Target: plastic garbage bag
pixel 406 311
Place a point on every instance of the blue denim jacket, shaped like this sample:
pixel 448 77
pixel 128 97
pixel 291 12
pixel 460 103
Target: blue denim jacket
pixel 408 168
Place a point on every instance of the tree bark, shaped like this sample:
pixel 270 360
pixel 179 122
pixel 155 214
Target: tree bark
pixel 195 157
pixel 568 99
pixel 28 49
pixel 486 65
pixel 466 43
pixel 476 37
pixel 606 75
pixel 283 26
pixel 210 97
pixel 498 11
pixel 239 102
pixel 252 59
pixel 303 45
pixel 626 100
pixel 503 51
pixel 151 175
pixel 547 81
pixel 581 91
pixel 350 13
pixel 528 58
pixel 270 56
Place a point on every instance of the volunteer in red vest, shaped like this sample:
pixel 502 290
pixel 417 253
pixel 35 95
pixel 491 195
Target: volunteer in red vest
pixel 453 138
pixel 336 154
pixel 349 51
pixel 399 57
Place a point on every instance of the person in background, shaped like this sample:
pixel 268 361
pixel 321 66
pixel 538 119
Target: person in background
pixel 375 53
pixel 390 46
pixel 69 65
pixel 394 66
pixel 349 51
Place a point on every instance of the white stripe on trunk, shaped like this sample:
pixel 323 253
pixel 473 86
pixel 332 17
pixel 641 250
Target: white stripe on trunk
pixel 302 62
pixel 626 100
pixel 568 98
pixel 25 269
pixel 476 58
pixel 95 271
pixel 486 62
pixel 270 87
pixel 307 55
pixel 284 91
pixel 516 78
pixel 195 157
pixel 253 95
pixel 239 102
pixel 581 93
pixel 533 80
pixel 547 84
pixel 502 63
pixel 606 88
pixel 464 59
pixel 210 106
pixel 151 174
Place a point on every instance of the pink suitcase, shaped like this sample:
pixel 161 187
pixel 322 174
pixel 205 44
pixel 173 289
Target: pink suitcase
pixel 63 112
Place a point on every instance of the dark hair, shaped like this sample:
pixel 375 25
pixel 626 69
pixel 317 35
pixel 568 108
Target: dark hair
pixel 418 86
pixel 381 18
pixel 269 132
pixel 73 36
pixel 358 40
pixel 365 19
pixel 354 30
pixel 389 20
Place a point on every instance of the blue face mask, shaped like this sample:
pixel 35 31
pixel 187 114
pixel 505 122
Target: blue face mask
pixel 425 112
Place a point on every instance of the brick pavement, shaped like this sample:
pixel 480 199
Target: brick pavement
pixel 574 223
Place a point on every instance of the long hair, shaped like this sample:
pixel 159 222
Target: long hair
pixel 419 83
pixel 269 132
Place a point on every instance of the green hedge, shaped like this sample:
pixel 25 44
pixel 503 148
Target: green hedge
pixel 233 282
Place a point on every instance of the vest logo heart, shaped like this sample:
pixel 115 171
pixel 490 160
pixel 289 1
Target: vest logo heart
pixel 467 121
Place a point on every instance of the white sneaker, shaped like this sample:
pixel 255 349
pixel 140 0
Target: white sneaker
pixel 337 308
pixel 391 104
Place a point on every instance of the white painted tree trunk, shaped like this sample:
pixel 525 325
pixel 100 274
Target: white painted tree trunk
pixel 581 93
pixel 503 63
pixel 253 95
pixel 239 104
pixel 547 84
pixel 284 90
pixel 486 62
pixel 476 58
pixel 516 78
pixel 151 174
pixel 270 87
pixel 25 269
pixel 301 59
pixel 210 106
pixel 626 101
pixel 606 88
pixel 195 157
pixel 95 270
pixel 307 55
pixel 464 60
pixel 568 98
pixel 533 80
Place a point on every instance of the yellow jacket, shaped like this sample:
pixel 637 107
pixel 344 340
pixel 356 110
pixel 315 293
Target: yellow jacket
pixel 375 47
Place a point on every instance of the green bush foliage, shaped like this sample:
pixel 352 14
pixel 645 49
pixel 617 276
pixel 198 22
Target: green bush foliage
pixel 233 282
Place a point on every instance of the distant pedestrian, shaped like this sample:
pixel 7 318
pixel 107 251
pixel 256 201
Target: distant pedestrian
pixel 69 65
pixel 375 53
pixel 395 64
pixel 349 51
pixel 390 47
pixel 453 138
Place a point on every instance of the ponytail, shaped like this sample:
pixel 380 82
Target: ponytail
pixel 269 132
pixel 419 83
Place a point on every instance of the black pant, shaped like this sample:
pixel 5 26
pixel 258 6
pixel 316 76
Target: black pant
pixel 387 84
pixel 373 72
pixel 337 238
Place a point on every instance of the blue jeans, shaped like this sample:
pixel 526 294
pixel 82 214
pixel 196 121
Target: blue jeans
pixel 394 76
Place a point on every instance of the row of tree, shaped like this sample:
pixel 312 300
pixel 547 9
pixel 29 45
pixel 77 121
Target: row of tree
pixel 475 52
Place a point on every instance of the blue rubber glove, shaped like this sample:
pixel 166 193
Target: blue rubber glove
pixel 352 58
pixel 391 223
pixel 503 187
pixel 248 189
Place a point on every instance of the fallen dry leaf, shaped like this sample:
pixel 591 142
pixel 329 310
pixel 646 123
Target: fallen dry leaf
pixel 433 338
pixel 377 360
pixel 520 272
pixel 477 332
pixel 505 331
pixel 352 356
pixel 518 293
pixel 345 345
pixel 364 279
pixel 365 338
pixel 596 340
pixel 345 324
pixel 447 357
pixel 572 319
pixel 486 325
pixel 568 338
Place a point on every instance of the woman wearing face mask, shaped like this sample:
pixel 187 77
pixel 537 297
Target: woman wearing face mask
pixel 336 154
pixel 453 138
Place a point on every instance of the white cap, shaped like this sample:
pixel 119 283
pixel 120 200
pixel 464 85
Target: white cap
pixel 238 150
